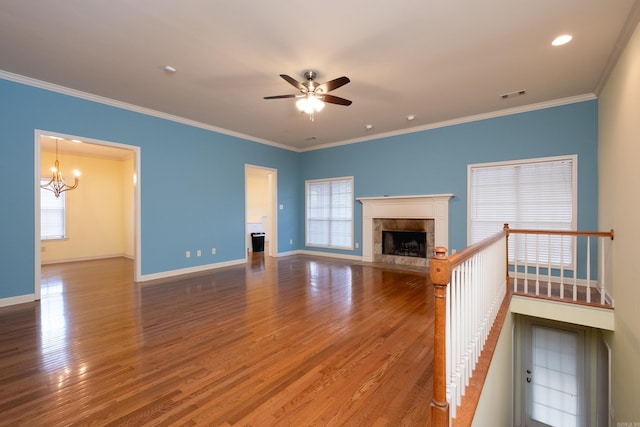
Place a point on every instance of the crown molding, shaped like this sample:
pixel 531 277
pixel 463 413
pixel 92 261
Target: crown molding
pixel 147 111
pixel 461 120
pixel 17 78
pixel 629 27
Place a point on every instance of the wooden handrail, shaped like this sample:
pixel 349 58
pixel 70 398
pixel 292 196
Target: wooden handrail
pixel 440 274
pixel 560 232
pixel 460 257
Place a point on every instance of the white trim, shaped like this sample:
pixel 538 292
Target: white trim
pixel 428 206
pixel 585 315
pixel 131 107
pixel 629 27
pixel 137 256
pixel 190 270
pixel 272 234
pixel 330 255
pixel 37 245
pixel 289 253
pixel 89 258
pixel 572 157
pixel 462 120
pixel 306 210
pixel 568 281
pixel 147 111
pixel 20 299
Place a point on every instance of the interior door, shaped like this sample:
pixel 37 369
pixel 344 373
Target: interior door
pixel 554 372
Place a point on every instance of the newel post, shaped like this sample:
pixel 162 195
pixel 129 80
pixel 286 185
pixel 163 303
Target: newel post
pixel 440 273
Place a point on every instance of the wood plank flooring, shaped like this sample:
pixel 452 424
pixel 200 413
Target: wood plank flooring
pixel 293 341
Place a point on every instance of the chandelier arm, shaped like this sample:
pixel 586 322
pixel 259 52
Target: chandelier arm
pixel 47 184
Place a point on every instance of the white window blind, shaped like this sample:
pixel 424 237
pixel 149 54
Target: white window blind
pixel 535 194
pixel 329 213
pixel 52 216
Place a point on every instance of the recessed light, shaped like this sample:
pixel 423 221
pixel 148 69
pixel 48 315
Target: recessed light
pixel 369 126
pixel 170 69
pixel 560 40
pixel 77 141
pixel 411 117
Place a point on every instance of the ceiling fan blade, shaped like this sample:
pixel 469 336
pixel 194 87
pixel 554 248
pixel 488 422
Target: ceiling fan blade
pixel 333 84
pixel 293 82
pixel 334 99
pixel 280 96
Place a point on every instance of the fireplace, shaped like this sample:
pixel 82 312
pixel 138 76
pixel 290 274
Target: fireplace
pixel 404 243
pixel 431 210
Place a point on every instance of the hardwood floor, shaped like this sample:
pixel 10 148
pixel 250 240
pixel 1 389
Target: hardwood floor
pixel 294 341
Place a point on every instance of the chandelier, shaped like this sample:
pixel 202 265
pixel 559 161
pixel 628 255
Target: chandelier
pixel 56 184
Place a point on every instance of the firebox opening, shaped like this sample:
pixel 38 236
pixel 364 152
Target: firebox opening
pixel 405 243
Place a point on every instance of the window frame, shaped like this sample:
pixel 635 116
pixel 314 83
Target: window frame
pixel 63 214
pixel 351 219
pixel 573 158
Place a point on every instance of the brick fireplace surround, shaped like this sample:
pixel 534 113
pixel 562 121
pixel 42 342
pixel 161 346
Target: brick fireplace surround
pixel 435 207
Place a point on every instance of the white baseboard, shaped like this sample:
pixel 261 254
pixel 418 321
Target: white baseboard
pixel 568 281
pixel 283 254
pixel 21 299
pixel 331 255
pixel 190 270
pixel 88 258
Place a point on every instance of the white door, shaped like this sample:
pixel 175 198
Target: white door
pixel 554 376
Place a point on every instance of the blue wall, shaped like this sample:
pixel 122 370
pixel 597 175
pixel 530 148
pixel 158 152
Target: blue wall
pixel 192 182
pixel 192 179
pixel 435 161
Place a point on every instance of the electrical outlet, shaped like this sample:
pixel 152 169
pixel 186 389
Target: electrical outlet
pixel 213 251
pixel 357 245
pixel 187 254
pixel 198 252
pixel 281 206
pixel 291 242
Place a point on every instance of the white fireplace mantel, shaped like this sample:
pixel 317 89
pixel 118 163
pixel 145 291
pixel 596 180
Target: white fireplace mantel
pixel 429 206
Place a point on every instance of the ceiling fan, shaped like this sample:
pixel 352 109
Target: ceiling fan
pixel 313 95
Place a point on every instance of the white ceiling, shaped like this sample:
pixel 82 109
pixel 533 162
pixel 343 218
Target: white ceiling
pixel 439 60
pixel 84 148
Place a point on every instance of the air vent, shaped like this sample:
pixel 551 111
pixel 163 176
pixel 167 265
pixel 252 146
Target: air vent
pixel 311 138
pixel 513 94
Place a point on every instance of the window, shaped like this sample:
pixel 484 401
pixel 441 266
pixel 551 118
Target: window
pixel 529 194
pixel 329 213
pixel 52 216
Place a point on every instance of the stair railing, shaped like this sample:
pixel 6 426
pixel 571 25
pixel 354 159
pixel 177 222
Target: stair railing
pixel 560 264
pixel 469 288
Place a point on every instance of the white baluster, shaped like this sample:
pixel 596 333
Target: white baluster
pixel 588 269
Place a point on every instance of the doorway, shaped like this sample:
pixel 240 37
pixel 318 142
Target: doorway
pixel 553 374
pixel 110 174
pixel 261 213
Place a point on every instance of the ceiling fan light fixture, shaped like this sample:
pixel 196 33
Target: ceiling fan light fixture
pixel 316 103
pixel 310 104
